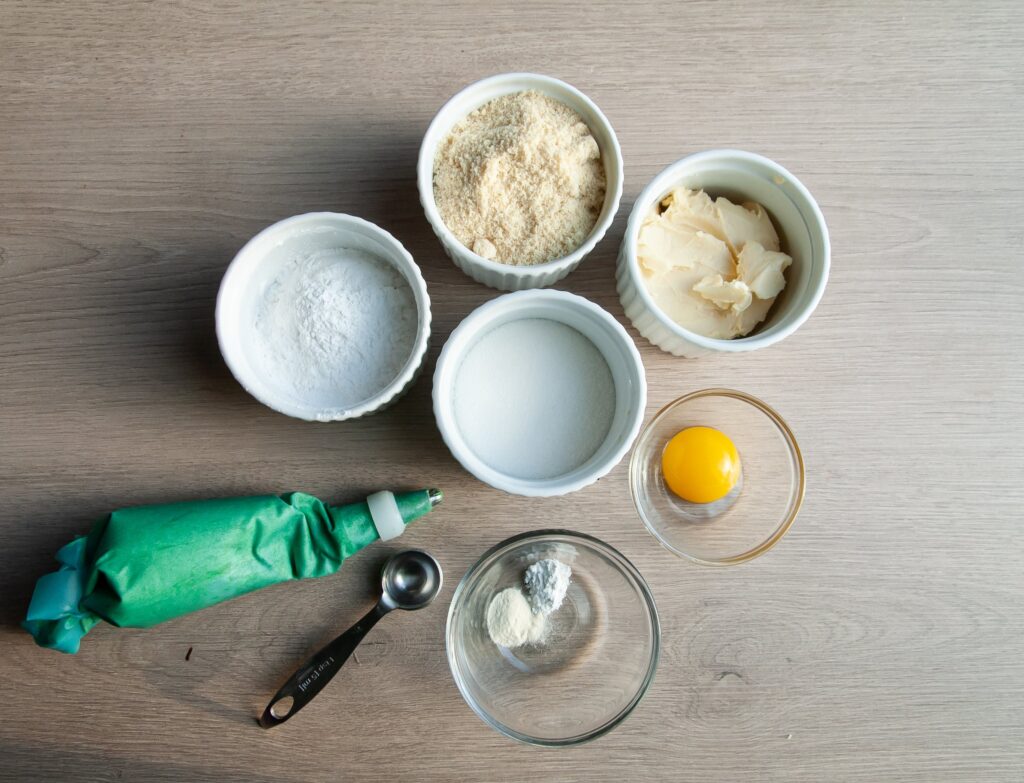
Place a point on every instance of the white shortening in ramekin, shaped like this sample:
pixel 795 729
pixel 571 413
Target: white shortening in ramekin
pixel 739 176
pixel 506 277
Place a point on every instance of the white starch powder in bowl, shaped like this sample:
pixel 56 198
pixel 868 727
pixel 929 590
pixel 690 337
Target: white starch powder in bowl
pixel 534 398
pixel 335 324
pixel 324 317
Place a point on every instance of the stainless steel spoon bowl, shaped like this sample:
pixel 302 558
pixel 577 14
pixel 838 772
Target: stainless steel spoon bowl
pixel 409 580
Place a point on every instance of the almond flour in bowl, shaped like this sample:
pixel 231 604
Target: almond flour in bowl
pixel 491 272
pixel 520 180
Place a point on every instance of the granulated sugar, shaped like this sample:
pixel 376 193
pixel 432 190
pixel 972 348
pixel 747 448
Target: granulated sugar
pixel 336 325
pixel 534 399
pixel 520 180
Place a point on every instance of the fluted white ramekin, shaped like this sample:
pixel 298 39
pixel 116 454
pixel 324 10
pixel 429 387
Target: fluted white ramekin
pixel 739 176
pixel 591 321
pixel 255 266
pixel 506 277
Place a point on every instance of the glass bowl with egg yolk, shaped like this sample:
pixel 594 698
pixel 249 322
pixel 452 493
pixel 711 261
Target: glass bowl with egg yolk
pixel 717 477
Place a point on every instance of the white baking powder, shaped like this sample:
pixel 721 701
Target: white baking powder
pixel 335 326
pixel 547 582
pixel 534 398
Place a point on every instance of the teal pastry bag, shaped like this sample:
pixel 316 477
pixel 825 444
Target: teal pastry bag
pixel 140 566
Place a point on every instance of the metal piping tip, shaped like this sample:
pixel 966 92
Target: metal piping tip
pixel 435 495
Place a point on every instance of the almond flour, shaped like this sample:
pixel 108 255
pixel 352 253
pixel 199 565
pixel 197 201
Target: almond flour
pixel 520 180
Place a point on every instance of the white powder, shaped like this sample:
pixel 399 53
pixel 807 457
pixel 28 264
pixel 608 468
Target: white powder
pixel 513 619
pixel 335 326
pixel 511 622
pixel 534 398
pixel 548 581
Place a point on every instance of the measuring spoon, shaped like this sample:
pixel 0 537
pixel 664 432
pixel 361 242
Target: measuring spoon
pixel 410 580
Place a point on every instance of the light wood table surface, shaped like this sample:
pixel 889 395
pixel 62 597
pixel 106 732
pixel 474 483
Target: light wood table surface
pixel 141 144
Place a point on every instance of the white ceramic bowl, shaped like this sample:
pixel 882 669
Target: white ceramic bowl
pixel 596 325
pixel 739 176
pixel 257 264
pixel 506 277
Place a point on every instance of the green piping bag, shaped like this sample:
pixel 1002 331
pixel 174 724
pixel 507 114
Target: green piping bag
pixel 141 566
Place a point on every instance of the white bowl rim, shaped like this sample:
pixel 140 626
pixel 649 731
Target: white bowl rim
pixel 425 179
pixel 416 282
pixel 529 487
pixel 627 567
pixel 669 176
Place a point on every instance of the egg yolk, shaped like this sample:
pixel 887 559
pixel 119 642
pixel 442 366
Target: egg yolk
pixel 700 464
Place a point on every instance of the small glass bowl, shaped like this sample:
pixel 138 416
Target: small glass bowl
pixel 768 498
pixel 598 657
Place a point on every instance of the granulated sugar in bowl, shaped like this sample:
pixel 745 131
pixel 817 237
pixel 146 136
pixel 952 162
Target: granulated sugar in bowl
pixel 539 393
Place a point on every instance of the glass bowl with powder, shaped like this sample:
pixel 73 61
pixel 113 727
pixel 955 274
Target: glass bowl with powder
pixel 323 317
pixel 581 665
pixel 520 175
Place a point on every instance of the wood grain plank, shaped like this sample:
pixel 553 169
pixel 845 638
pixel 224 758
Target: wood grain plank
pixel 144 143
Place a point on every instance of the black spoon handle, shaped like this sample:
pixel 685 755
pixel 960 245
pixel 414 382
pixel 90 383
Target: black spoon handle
pixel 312 676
